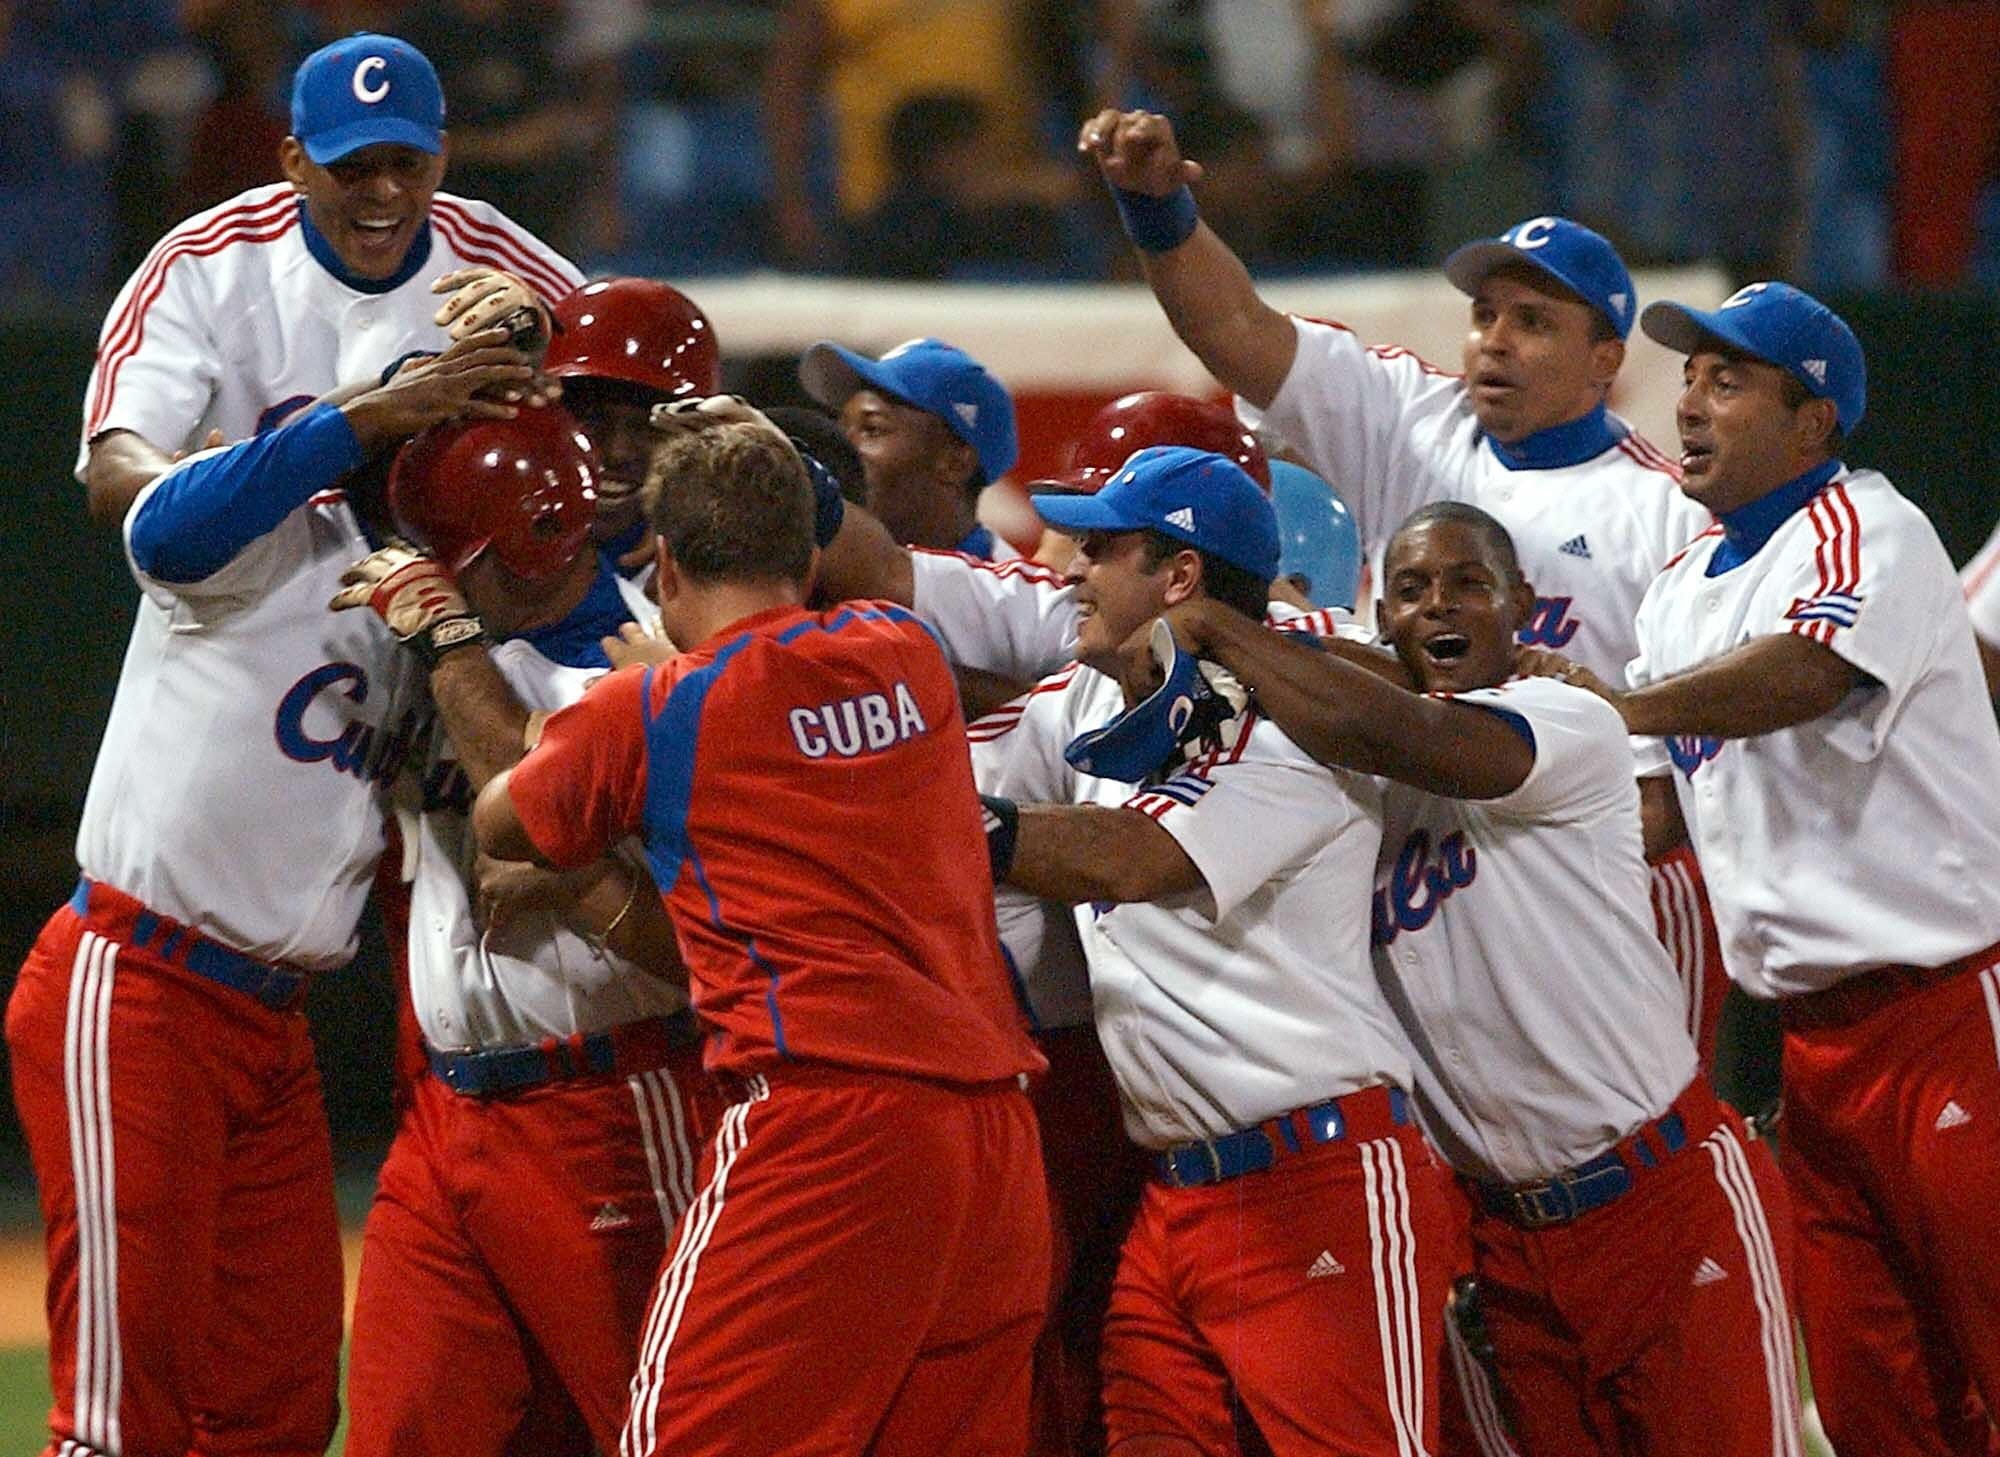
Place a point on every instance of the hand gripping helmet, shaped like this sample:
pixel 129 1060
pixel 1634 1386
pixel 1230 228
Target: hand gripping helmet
pixel 1153 417
pixel 637 330
pixel 524 489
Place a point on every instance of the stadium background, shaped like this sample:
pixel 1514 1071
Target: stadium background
pixel 650 138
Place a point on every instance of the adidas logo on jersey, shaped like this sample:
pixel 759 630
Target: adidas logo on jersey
pixel 1708 1273
pixel 1576 546
pixel 1325 1265
pixel 1183 518
pixel 608 1218
pixel 1952 1116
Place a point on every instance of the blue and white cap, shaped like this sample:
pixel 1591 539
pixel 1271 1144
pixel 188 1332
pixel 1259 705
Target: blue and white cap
pixel 1196 496
pixel 363 90
pixel 1574 256
pixel 937 378
pixel 1780 325
pixel 1317 537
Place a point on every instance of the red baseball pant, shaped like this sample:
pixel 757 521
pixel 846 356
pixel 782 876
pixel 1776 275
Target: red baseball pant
pixel 186 1183
pixel 509 1257
pixel 1659 1323
pixel 1892 1150
pixel 1313 1291
pixel 865 1269
pixel 1685 923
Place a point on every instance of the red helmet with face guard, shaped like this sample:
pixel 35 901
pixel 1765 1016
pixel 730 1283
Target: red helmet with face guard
pixel 1153 417
pixel 524 489
pixel 637 330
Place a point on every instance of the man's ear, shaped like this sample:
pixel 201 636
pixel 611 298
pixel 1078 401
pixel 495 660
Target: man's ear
pixel 1522 595
pixel 957 461
pixel 666 574
pixel 292 162
pixel 1607 357
pixel 1184 576
pixel 1816 419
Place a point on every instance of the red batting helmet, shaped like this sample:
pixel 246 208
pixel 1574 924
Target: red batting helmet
pixel 1153 417
pixel 638 330
pixel 525 488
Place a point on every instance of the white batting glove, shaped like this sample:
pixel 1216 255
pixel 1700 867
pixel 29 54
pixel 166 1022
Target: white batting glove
pixel 415 597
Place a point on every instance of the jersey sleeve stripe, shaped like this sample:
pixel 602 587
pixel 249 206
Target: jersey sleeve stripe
pixel 1675 560
pixel 475 249
pixel 457 222
pixel 1853 538
pixel 1981 571
pixel 1638 448
pixel 262 228
pixel 1013 567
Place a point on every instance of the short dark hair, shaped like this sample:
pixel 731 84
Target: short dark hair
pixel 1795 394
pixel 819 435
pixel 1463 513
pixel 1227 583
pixel 732 503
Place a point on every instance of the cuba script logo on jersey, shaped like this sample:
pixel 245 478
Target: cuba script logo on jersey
pixel 1420 882
pixel 1689 751
pixel 865 724
pixel 1549 625
pixel 360 749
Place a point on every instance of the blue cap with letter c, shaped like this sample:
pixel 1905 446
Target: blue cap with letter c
pixel 1196 496
pixel 1780 325
pixel 363 90
pixel 1574 256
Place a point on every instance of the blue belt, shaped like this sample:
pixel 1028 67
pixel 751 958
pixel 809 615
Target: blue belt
pixel 1252 1150
pixel 281 988
pixel 633 1048
pixel 1592 1185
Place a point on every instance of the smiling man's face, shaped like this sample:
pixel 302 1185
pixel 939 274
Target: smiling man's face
pixel 370 204
pixel 1451 604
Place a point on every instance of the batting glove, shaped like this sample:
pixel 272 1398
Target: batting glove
pixel 482 298
pixel 416 597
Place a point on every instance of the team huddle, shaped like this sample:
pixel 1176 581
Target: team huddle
pixel 869 992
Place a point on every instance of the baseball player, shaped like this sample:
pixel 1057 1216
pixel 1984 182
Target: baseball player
pixel 1286 1248
pixel 524 1206
pixel 1981 583
pixel 877 1181
pixel 1810 669
pixel 161 1067
pixel 1632 1259
pixel 1524 433
pixel 244 313
pixel 933 429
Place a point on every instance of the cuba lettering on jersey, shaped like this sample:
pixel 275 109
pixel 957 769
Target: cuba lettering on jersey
pixel 237 786
pixel 1256 997
pixel 1869 836
pixel 833 907
pixel 1981 583
pixel 232 320
pixel 531 978
pixel 1392 433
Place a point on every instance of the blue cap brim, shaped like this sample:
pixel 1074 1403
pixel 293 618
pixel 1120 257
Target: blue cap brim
pixel 831 374
pixel 343 141
pixel 1685 331
pixel 1076 514
pixel 1474 263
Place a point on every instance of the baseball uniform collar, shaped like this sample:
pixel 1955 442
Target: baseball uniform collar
pixel 323 254
pixel 575 642
pixel 1748 527
pixel 1570 443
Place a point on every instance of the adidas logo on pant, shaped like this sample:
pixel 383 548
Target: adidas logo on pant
pixel 1325 1265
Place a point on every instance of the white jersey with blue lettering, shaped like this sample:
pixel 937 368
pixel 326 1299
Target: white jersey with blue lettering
pixel 242 313
pixel 532 978
pixel 1513 938
pixel 236 788
pixel 1981 583
pixel 1869 836
pixel 1392 433
pixel 1254 996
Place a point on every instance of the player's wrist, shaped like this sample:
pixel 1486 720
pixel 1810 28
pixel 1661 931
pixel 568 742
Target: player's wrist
pixel 1157 224
pixel 438 642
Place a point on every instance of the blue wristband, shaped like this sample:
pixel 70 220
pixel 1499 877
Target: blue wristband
pixel 1157 224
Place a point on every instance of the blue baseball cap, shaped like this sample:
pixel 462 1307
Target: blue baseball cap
pixel 364 90
pixel 1780 325
pixel 1580 260
pixel 933 377
pixel 1317 537
pixel 1195 496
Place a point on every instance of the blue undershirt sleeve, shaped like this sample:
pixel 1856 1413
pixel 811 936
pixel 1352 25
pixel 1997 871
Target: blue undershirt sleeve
pixel 196 520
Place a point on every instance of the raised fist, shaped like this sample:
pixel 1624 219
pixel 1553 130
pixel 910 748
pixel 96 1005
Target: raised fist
pixel 1136 150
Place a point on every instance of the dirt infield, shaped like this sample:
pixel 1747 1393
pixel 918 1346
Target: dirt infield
pixel 21 1272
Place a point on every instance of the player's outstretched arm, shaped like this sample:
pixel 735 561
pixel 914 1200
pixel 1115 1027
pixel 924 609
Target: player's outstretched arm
pixel 1087 852
pixel 122 463
pixel 1770 683
pixel 1200 282
pixel 1351 715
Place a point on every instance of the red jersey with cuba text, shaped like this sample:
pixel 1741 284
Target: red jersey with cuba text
pixel 804 790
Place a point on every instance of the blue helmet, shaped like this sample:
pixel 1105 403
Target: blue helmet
pixel 1317 538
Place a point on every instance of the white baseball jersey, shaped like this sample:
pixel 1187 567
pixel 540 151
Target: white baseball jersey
pixel 1252 997
pixel 1869 836
pixel 239 315
pixel 1513 938
pixel 236 786
pixel 1391 433
pixel 533 978
pixel 1981 583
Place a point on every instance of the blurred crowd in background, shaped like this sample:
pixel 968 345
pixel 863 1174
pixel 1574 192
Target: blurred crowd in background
pixel 1846 144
